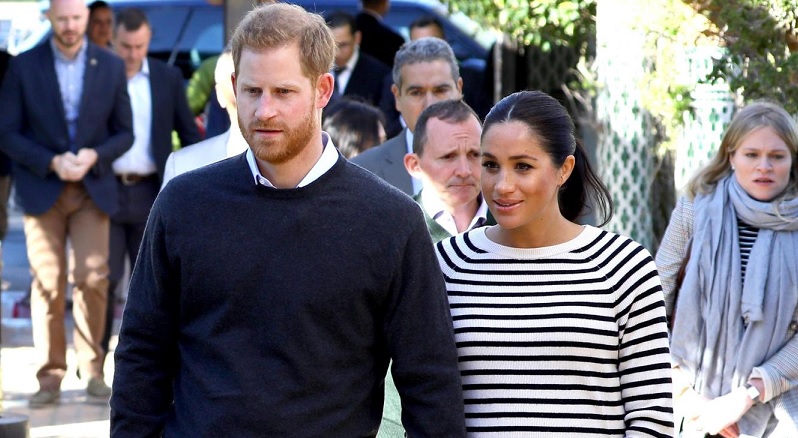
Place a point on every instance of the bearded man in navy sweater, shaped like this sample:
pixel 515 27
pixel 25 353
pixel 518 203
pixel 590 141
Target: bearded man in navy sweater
pixel 273 288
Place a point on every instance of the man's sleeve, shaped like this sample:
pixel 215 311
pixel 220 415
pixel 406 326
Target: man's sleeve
pixel 673 248
pixel 146 357
pixel 19 148
pixel 419 331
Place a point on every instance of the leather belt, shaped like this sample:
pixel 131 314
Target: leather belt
pixel 129 179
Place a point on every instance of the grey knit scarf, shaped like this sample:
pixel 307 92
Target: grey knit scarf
pixel 725 328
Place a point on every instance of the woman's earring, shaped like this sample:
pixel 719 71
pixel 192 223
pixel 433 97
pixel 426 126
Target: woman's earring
pixel 732 168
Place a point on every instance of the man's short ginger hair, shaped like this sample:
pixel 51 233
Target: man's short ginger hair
pixel 270 26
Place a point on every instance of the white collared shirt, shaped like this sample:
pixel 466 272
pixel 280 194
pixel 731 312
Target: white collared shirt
pixel 329 156
pixel 417 185
pixel 343 77
pixel 139 158
pixel 434 207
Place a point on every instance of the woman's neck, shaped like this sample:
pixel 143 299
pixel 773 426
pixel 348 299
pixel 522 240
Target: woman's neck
pixel 541 234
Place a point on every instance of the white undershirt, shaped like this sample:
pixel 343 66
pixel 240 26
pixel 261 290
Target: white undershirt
pixel 139 159
pixel 343 77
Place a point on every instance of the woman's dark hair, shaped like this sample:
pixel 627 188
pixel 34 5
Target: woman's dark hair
pixel 550 123
pixel 353 125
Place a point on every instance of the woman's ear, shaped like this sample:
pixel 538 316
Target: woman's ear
pixel 566 169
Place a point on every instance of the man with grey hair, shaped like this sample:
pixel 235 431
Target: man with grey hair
pixel 256 307
pixel 425 71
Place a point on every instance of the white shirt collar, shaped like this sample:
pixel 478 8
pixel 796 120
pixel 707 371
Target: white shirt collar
pixel 343 77
pixel 329 156
pixel 350 65
pixel 409 138
pixel 80 55
pixel 145 68
pixel 433 206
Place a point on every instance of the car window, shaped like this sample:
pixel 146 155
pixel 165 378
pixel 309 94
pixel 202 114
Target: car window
pixel 166 24
pixel 203 36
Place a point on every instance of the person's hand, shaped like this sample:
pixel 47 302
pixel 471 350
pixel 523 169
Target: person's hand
pixel 86 158
pixel 730 432
pixel 67 167
pixel 720 415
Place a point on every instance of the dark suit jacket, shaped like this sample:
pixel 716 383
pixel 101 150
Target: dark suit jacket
pixel 367 79
pixel 33 126
pixel 379 40
pixel 169 111
pixel 387 162
pixel 5 162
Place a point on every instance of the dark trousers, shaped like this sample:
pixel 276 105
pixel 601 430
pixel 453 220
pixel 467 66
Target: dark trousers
pixel 127 230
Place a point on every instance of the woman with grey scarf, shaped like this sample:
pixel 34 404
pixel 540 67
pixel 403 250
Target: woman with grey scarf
pixel 734 356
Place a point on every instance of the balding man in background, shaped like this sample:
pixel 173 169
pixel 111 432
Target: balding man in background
pixel 63 137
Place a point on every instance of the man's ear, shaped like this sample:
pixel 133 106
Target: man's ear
pixel 413 165
pixel 325 86
pixel 233 80
pixel 395 91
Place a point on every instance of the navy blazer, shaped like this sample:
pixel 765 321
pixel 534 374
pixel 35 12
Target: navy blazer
pixel 367 79
pixel 33 126
pixel 169 111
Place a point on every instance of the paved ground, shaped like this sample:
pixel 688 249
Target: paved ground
pixel 75 416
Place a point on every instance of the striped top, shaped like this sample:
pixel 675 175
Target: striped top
pixel 562 341
pixel 747 237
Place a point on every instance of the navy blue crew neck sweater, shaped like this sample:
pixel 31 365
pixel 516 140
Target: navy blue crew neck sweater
pixel 262 312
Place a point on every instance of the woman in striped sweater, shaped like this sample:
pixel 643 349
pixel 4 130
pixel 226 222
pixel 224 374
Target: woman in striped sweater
pixel 560 327
pixel 735 356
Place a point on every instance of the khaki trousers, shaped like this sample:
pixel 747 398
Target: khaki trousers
pixel 75 217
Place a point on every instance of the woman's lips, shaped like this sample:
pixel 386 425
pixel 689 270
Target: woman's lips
pixel 505 205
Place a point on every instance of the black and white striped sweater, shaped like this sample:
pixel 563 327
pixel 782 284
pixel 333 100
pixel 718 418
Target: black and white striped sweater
pixel 562 341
